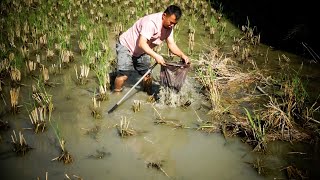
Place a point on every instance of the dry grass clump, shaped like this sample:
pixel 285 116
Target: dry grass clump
pixel 277 116
pixel 31 67
pixel 65 156
pixel 220 76
pixel 41 114
pixel 136 106
pixel 82 76
pixel 96 110
pixel 42 98
pixel 285 111
pixel 252 130
pixel 123 128
pixel 223 67
pixel 103 92
pixel 14 96
pixel 15 74
pixel 38 118
pixel 20 146
pixel 294 134
pixel 249 34
pixel 215 73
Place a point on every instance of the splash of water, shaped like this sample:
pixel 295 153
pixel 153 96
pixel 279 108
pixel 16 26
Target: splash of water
pixel 172 98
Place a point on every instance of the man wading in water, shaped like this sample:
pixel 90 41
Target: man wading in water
pixel 135 46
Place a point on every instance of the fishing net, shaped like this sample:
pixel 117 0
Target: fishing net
pixel 173 75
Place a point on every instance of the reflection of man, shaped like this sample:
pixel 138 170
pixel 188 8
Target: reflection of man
pixel 135 45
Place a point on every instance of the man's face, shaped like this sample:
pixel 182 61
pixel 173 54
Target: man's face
pixel 168 21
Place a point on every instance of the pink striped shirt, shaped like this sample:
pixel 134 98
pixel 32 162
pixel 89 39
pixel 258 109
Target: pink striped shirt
pixel 151 28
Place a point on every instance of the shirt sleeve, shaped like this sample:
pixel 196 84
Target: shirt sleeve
pixel 148 29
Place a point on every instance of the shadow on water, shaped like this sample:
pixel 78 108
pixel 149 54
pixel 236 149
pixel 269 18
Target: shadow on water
pixel 282 24
pixel 7 155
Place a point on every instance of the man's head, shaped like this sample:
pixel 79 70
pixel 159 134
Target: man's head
pixel 171 16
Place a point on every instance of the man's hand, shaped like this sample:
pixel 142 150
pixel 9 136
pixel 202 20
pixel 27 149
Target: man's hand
pixel 175 50
pixel 159 59
pixel 185 59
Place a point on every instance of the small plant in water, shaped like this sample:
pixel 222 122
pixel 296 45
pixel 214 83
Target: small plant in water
pixel 20 146
pixel 157 166
pixel 95 109
pixel 38 118
pixel 102 95
pixel 123 128
pixel 15 74
pixel 42 98
pixel 258 131
pixel 83 75
pixel 65 156
pixel 45 74
pixel 14 94
pixel 136 106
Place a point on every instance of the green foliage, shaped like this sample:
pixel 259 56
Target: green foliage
pixel 299 89
pixel 222 34
pixel 257 128
pixel 46 97
pixel 205 74
pixel 213 22
pixel 193 21
pixel 102 33
pixel 57 132
pixel 18 61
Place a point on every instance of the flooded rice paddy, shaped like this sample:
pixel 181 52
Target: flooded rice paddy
pixel 100 153
pixel 174 136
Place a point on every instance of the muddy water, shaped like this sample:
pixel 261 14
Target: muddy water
pixel 183 153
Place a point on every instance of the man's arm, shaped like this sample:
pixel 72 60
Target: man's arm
pixel 143 44
pixel 175 49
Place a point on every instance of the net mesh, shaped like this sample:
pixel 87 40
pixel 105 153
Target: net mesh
pixel 173 75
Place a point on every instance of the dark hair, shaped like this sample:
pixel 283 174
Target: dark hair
pixel 173 9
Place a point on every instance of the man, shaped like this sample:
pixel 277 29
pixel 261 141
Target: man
pixel 136 45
